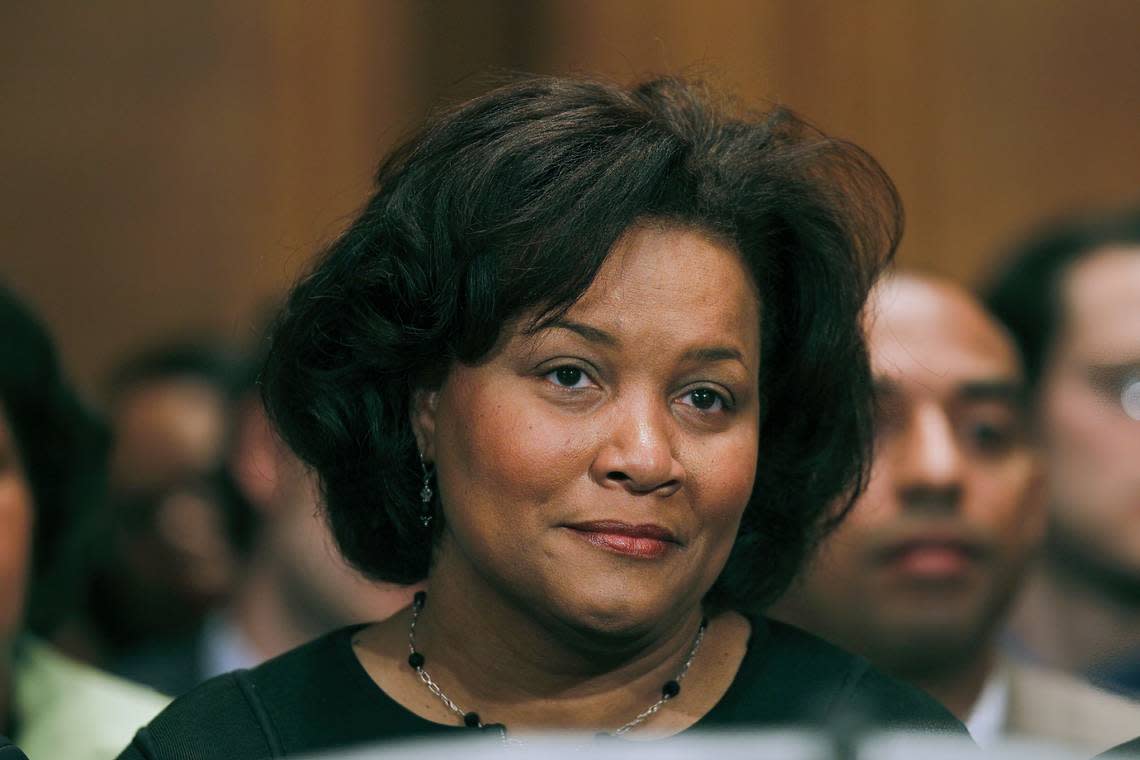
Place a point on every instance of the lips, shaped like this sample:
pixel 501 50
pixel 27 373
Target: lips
pixel 931 557
pixel 646 541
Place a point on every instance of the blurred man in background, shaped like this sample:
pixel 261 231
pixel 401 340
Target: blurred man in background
pixel 170 556
pixel 52 467
pixel 1071 299
pixel 290 583
pixel 920 576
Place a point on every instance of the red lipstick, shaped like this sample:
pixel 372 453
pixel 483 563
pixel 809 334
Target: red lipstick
pixel 645 541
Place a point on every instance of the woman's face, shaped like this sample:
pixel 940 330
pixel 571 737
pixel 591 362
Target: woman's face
pixel 15 533
pixel 596 470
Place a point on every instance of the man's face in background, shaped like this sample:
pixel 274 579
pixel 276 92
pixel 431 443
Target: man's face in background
pixel 171 535
pixel 1088 411
pixel 925 566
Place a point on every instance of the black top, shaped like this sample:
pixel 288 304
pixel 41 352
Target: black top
pixel 319 697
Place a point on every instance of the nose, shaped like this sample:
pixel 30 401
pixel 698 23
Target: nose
pixel 637 452
pixel 928 463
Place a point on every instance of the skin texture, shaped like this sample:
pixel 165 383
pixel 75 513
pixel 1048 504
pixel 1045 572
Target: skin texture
pixel 953 468
pixel 1083 606
pixel 597 419
pixel 16 520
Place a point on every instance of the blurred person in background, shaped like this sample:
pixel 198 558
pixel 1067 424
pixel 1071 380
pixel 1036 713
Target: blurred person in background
pixel 1070 296
pixel 921 576
pixel 175 522
pixel 52 464
pixel 291 584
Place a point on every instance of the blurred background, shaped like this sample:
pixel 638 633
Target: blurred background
pixel 171 167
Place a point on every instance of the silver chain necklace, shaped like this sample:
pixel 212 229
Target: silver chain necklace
pixel 472 720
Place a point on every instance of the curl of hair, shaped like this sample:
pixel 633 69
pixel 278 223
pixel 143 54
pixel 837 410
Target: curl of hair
pixel 63 448
pixel 507 206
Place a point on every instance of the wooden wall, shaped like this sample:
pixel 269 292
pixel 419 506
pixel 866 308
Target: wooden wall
pixel 170 167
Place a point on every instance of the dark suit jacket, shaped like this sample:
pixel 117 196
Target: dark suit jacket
pixel 9 751
pixel 1127 751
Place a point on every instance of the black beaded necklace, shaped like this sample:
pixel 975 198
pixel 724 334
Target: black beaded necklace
pixel 471 719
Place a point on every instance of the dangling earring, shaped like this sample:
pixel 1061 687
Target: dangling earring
pixel 425 494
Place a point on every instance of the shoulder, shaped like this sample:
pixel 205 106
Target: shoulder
pixel 73 710
pixel 290 703
pixel 1047 702
pixel 220 713
pixel 790 677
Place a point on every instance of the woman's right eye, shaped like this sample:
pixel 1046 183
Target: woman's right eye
pixel 568 377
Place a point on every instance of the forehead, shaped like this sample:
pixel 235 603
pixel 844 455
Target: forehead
pixel 934 336
pixel 168 426
pixel 676 283
pixel 1102 306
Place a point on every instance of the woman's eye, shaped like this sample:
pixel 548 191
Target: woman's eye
pixel 705 399
pixel 568 377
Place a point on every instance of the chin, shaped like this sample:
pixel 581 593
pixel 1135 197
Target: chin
pixel 618 615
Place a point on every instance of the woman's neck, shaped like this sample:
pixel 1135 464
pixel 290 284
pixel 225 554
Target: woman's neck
pixel 498 658
pixel 539 670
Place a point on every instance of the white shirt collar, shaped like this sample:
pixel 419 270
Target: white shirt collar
pixel 986 722
pixel 225 648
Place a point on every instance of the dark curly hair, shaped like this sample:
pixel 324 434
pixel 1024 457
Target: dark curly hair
pixel 63 447
pixel 507 206
pixel 1026 294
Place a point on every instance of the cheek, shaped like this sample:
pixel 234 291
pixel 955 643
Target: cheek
pixel 1092 451
pixel 1076 421
pixel 876 508
pixel 843 551
pixel 840 562
pixel 720 475
pixel 723 482
pixel 502 454
pixel 1007 499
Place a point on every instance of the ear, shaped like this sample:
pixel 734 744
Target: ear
pixel 424 403
pixel 255 460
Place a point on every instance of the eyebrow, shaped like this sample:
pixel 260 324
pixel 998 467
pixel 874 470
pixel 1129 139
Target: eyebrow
pixel 714 354
pixel 1114 374
pixel 597 335
pixel 1001 390
pixel 1006 391
pixel 592 334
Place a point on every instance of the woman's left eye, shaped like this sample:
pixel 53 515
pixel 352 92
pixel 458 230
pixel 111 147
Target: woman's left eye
pixel 705 399
pixel 568 377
